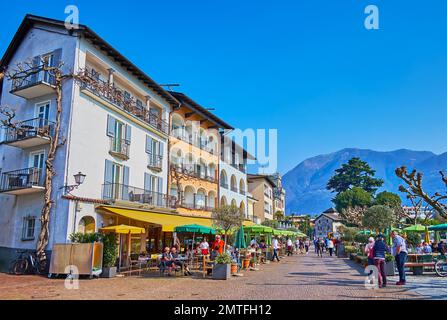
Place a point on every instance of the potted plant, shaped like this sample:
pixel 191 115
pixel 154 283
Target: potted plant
pixel 110 253
pixel 222 267
pixel 233 268
pixel 389 265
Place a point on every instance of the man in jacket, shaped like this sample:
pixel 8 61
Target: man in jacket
pixel 379 251
pixel 400 253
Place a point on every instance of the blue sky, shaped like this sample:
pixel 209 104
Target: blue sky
pixel 308 68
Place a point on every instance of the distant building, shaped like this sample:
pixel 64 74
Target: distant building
pixel 327 222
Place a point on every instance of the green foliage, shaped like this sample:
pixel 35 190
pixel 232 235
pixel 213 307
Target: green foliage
pixel 85 237
pixel 110 247
pixel 389 257
pixel 350 249
pixel 348 234
pixel 389 199
pixel 110 250
pixel 378 217
pixel 361 238
pixel 270 223
pixel 356 197
pixel 356 173
pixel 413 238
pixel 224 258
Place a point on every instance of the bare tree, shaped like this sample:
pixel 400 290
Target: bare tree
pixel 19 75
pixel 178 175
pixel 414 189
pixel 354 215
pixel 226 218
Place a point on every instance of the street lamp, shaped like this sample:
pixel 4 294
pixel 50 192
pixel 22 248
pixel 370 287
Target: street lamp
pixel 79 179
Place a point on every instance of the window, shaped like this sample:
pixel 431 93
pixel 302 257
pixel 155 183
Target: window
pixel 37 159
pixel 43 110
pixel 29 224
pixel 47 60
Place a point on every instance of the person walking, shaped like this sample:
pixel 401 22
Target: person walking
pixel 297 245
pixel 400 254
pixel 378 252
pixel 315 245
pixel 307 245
pixel 319 247
pixel 369 251
pixel 289 247
pixel 330 247
pixel 275 246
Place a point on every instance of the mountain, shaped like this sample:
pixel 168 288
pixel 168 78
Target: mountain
pixel 305 185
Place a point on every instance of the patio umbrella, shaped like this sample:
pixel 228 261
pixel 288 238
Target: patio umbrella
pixel 439 227
pixel 366 232
pixel 122 229
pixel 240 239
pixel 427 235
pixel 194 228
pixel 416 228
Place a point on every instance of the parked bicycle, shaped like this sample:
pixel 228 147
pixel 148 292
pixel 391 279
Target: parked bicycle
pixel 26 263
pixel 441 266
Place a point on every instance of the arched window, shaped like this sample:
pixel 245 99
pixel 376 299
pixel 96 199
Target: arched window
pixel 87 225
pixel 233 183
pixel 223 179
pixel 188 196
pixel 223 201
pixel 242 186
pixel 211 199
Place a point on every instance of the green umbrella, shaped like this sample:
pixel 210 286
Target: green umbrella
pixel 258 229
pixel 416 228
pixel 439 227
pixel 194 228
pixel 366 232
pixel 240 239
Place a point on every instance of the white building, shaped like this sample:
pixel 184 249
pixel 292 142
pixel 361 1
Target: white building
pixel 327 222
pixel 121 147
pixel 233 186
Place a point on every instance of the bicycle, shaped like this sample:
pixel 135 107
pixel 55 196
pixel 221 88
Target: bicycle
pixel 441 266
pixel 26 263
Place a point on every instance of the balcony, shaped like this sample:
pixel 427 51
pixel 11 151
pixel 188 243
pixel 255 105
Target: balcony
pixel 119 148
pixel 191 170
pixel 196 206
pixel 117 191
pixel 155 162
pixel 29 133
pixel 185 137
pixel 38 83
pixel 24 181
pixel 116 97
pixel 240 167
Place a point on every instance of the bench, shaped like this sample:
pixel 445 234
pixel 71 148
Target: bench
pixel 207 265
pixel 418 267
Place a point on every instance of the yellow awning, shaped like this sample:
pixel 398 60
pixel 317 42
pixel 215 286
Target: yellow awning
pixel 123 229
pixel 167 221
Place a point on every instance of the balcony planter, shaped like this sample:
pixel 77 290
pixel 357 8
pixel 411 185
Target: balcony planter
pixel 221 271
pixel 390 268
pixel 108 272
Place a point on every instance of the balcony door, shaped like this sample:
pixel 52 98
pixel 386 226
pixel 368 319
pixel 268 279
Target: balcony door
pixel 43 113
pixel 119 136
pixel 36 163
pixel 48 61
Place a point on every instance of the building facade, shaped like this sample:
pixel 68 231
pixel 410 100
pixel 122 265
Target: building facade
pixel 327 223
pixel 130 139
pixel 261 187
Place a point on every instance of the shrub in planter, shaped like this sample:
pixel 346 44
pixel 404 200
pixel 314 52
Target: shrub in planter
pixel 361 238
pixel 390 266
pixel 222 267
pixel 110 253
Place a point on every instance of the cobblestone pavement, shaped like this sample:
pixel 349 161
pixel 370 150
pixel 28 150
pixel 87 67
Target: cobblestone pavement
pixel 296 277
pixel 428 286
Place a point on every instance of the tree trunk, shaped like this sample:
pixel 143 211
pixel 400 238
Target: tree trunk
pixel 49 174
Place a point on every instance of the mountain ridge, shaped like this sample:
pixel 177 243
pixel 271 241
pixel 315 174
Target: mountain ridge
pixel 305 184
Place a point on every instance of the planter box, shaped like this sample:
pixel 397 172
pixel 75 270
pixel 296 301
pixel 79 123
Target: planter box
pixel 390 268
pixel 221 271
pixel 108 272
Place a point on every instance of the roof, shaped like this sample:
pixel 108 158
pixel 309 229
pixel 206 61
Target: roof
pixel 331 210
pixel 191 104
pixel 261 176
pixel 331 216
pixel 30 20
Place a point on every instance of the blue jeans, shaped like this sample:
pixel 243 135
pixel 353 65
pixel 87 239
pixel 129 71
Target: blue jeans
pixel 401 258
pixel 275 255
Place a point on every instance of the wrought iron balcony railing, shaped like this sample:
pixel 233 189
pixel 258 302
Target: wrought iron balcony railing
pixel 21 179
pixel 155 161
pixel 119 148
pixel 90 81
pixel 36 127
pixel 118 191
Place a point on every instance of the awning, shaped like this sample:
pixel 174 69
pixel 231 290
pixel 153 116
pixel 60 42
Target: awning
pixel 123 229
pixel 167 221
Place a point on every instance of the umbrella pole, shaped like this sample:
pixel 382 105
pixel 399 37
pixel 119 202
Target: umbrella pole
pixel 119 262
